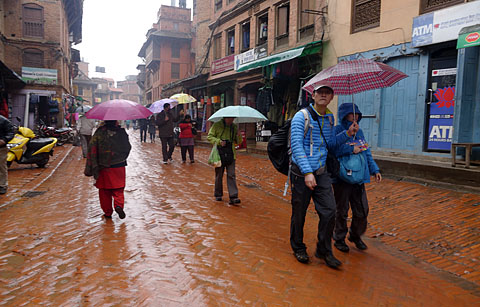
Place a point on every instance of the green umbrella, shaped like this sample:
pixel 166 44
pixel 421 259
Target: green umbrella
pixel 242 114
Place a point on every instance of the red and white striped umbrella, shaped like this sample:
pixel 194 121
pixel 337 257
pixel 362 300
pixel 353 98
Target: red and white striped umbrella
pixel 351 77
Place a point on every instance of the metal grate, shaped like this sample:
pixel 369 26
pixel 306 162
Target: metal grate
pixel 31 194
pixel 366 14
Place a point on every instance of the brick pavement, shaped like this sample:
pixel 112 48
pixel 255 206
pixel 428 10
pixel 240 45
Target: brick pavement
pixel 179 247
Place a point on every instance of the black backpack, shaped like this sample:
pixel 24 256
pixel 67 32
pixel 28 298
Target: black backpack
pixel 278 147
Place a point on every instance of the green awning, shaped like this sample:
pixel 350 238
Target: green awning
pixel 469 37
pixel 308 49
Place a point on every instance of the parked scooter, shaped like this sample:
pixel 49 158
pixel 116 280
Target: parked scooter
pixel 63 135
pixel 24 149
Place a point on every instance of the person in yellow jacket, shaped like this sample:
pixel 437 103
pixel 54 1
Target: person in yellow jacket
pixel 225 134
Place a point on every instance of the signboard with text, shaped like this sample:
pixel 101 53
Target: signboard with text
pixel 444 25
pixel 34 75
pixel 223 64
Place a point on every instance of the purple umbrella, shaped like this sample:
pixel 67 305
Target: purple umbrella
pixel 118 109
pixel 158 105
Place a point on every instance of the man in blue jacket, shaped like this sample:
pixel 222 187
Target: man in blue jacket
pixel 309 177
pixel 350 194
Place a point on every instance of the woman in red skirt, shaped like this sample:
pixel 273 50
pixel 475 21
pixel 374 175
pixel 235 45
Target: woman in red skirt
pixel 106 160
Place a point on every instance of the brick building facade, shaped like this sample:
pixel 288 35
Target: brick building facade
pixel 36 44
pixel 131 90
pixel 167 50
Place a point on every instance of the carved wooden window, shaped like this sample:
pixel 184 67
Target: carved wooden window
pixel 432 5
pixel 365 14
pixel 32 20
pixel 32 58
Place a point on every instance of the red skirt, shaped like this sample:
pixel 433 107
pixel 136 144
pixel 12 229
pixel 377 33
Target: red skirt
pixel 111 178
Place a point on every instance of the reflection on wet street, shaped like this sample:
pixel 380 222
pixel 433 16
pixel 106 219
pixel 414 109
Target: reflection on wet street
pixel 180 247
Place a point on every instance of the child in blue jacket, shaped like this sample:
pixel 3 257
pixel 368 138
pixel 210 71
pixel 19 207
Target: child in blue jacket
pixel 352 195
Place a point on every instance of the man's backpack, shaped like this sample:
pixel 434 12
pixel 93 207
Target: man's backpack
pixel 279 149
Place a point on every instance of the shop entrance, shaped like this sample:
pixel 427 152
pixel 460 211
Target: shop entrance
pixel 440 100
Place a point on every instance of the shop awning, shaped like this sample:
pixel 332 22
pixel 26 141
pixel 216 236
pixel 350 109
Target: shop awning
pixel 469 37
pixel 308 49
pixel 10 77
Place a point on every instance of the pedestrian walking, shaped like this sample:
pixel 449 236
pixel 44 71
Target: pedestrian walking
pixel 127 124
pixel 152 128
pixel 142 123
pixel 7 132
pixel 309 177
pixel 186 139
pixel 165 122
pixel 106 161
pixel 225 135
pixel 85 128
pixel 348 194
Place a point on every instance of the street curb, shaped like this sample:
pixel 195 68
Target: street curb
pixel 52 171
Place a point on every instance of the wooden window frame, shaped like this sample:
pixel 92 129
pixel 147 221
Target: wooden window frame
pixel 175 50
pixel 242 25
pixel 260 41
pixel 217 46
pixel 280 37
pixel 30 63
pixel 424 9
pixel 227 42
pixel 29 25
pixel 355 3
pixel 218 4
pixel 307 29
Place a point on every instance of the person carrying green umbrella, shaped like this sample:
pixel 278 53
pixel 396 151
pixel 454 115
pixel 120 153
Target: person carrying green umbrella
pixel 225 135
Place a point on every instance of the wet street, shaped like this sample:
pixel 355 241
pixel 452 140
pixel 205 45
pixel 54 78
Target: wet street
pixel 180 247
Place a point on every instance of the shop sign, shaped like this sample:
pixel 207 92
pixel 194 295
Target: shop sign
pixel 444 25
pixel 34 75
pixel 468 40
pixel 245 57
pixel 223 64
pixel 261 52
pixel 440 124
pixel 444 72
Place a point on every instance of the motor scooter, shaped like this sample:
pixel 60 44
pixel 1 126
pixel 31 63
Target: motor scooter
pixel 63 135
pixel 25 149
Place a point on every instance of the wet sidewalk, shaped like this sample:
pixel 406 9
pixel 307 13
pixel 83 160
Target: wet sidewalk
pixel 179 247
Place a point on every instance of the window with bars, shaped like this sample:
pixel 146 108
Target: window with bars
pixel 365 14
pixel 306 20
pixel 32 58
pixel 432 5
pixel 175 74
pixel 283 12
pixel 32 16
pixel 217 47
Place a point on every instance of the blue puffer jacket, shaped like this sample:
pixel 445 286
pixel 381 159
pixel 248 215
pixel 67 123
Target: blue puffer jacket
pixel 301 145
pixel 371 168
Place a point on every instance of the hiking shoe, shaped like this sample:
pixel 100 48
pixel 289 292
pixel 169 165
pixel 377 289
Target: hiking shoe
pixel 120 212
pixel 329 259
pixel 219 198
pixel 234 201
pixel 341 246
pixel 302 256
pixel 358 243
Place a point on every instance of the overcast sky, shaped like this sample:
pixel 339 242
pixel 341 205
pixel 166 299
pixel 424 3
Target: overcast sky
pixel 113 32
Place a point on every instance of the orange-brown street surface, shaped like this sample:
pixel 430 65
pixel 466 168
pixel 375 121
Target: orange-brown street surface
pixel 180 247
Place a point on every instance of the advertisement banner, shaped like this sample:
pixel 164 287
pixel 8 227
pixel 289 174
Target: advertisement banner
pixel 468 40
pixel 34 75
pixel 440 124
pixel 223 64
pixel 444 25
pixel 245 57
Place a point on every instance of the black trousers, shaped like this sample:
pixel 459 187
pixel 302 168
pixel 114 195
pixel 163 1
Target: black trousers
pixel 143 134
pixel 354 196
pixel 324 202
pixel 167 152
pixel 183 150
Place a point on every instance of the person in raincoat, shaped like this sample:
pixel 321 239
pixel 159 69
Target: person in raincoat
pixel 352 195
pixel 186 139
pixel 165 122
pixel 85 128
pixel 225 133
pixel 106 160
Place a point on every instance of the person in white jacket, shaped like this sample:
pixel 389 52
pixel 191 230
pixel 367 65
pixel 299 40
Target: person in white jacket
pixel 85 128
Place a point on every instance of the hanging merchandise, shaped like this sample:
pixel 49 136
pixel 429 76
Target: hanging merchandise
pixel 264 100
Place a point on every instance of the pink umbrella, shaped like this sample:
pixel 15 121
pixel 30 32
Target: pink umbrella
pixel 118 109
pixel 351 77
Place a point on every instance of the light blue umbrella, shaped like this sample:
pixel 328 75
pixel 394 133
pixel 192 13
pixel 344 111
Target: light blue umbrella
pixel 158 105
pixel 242 114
